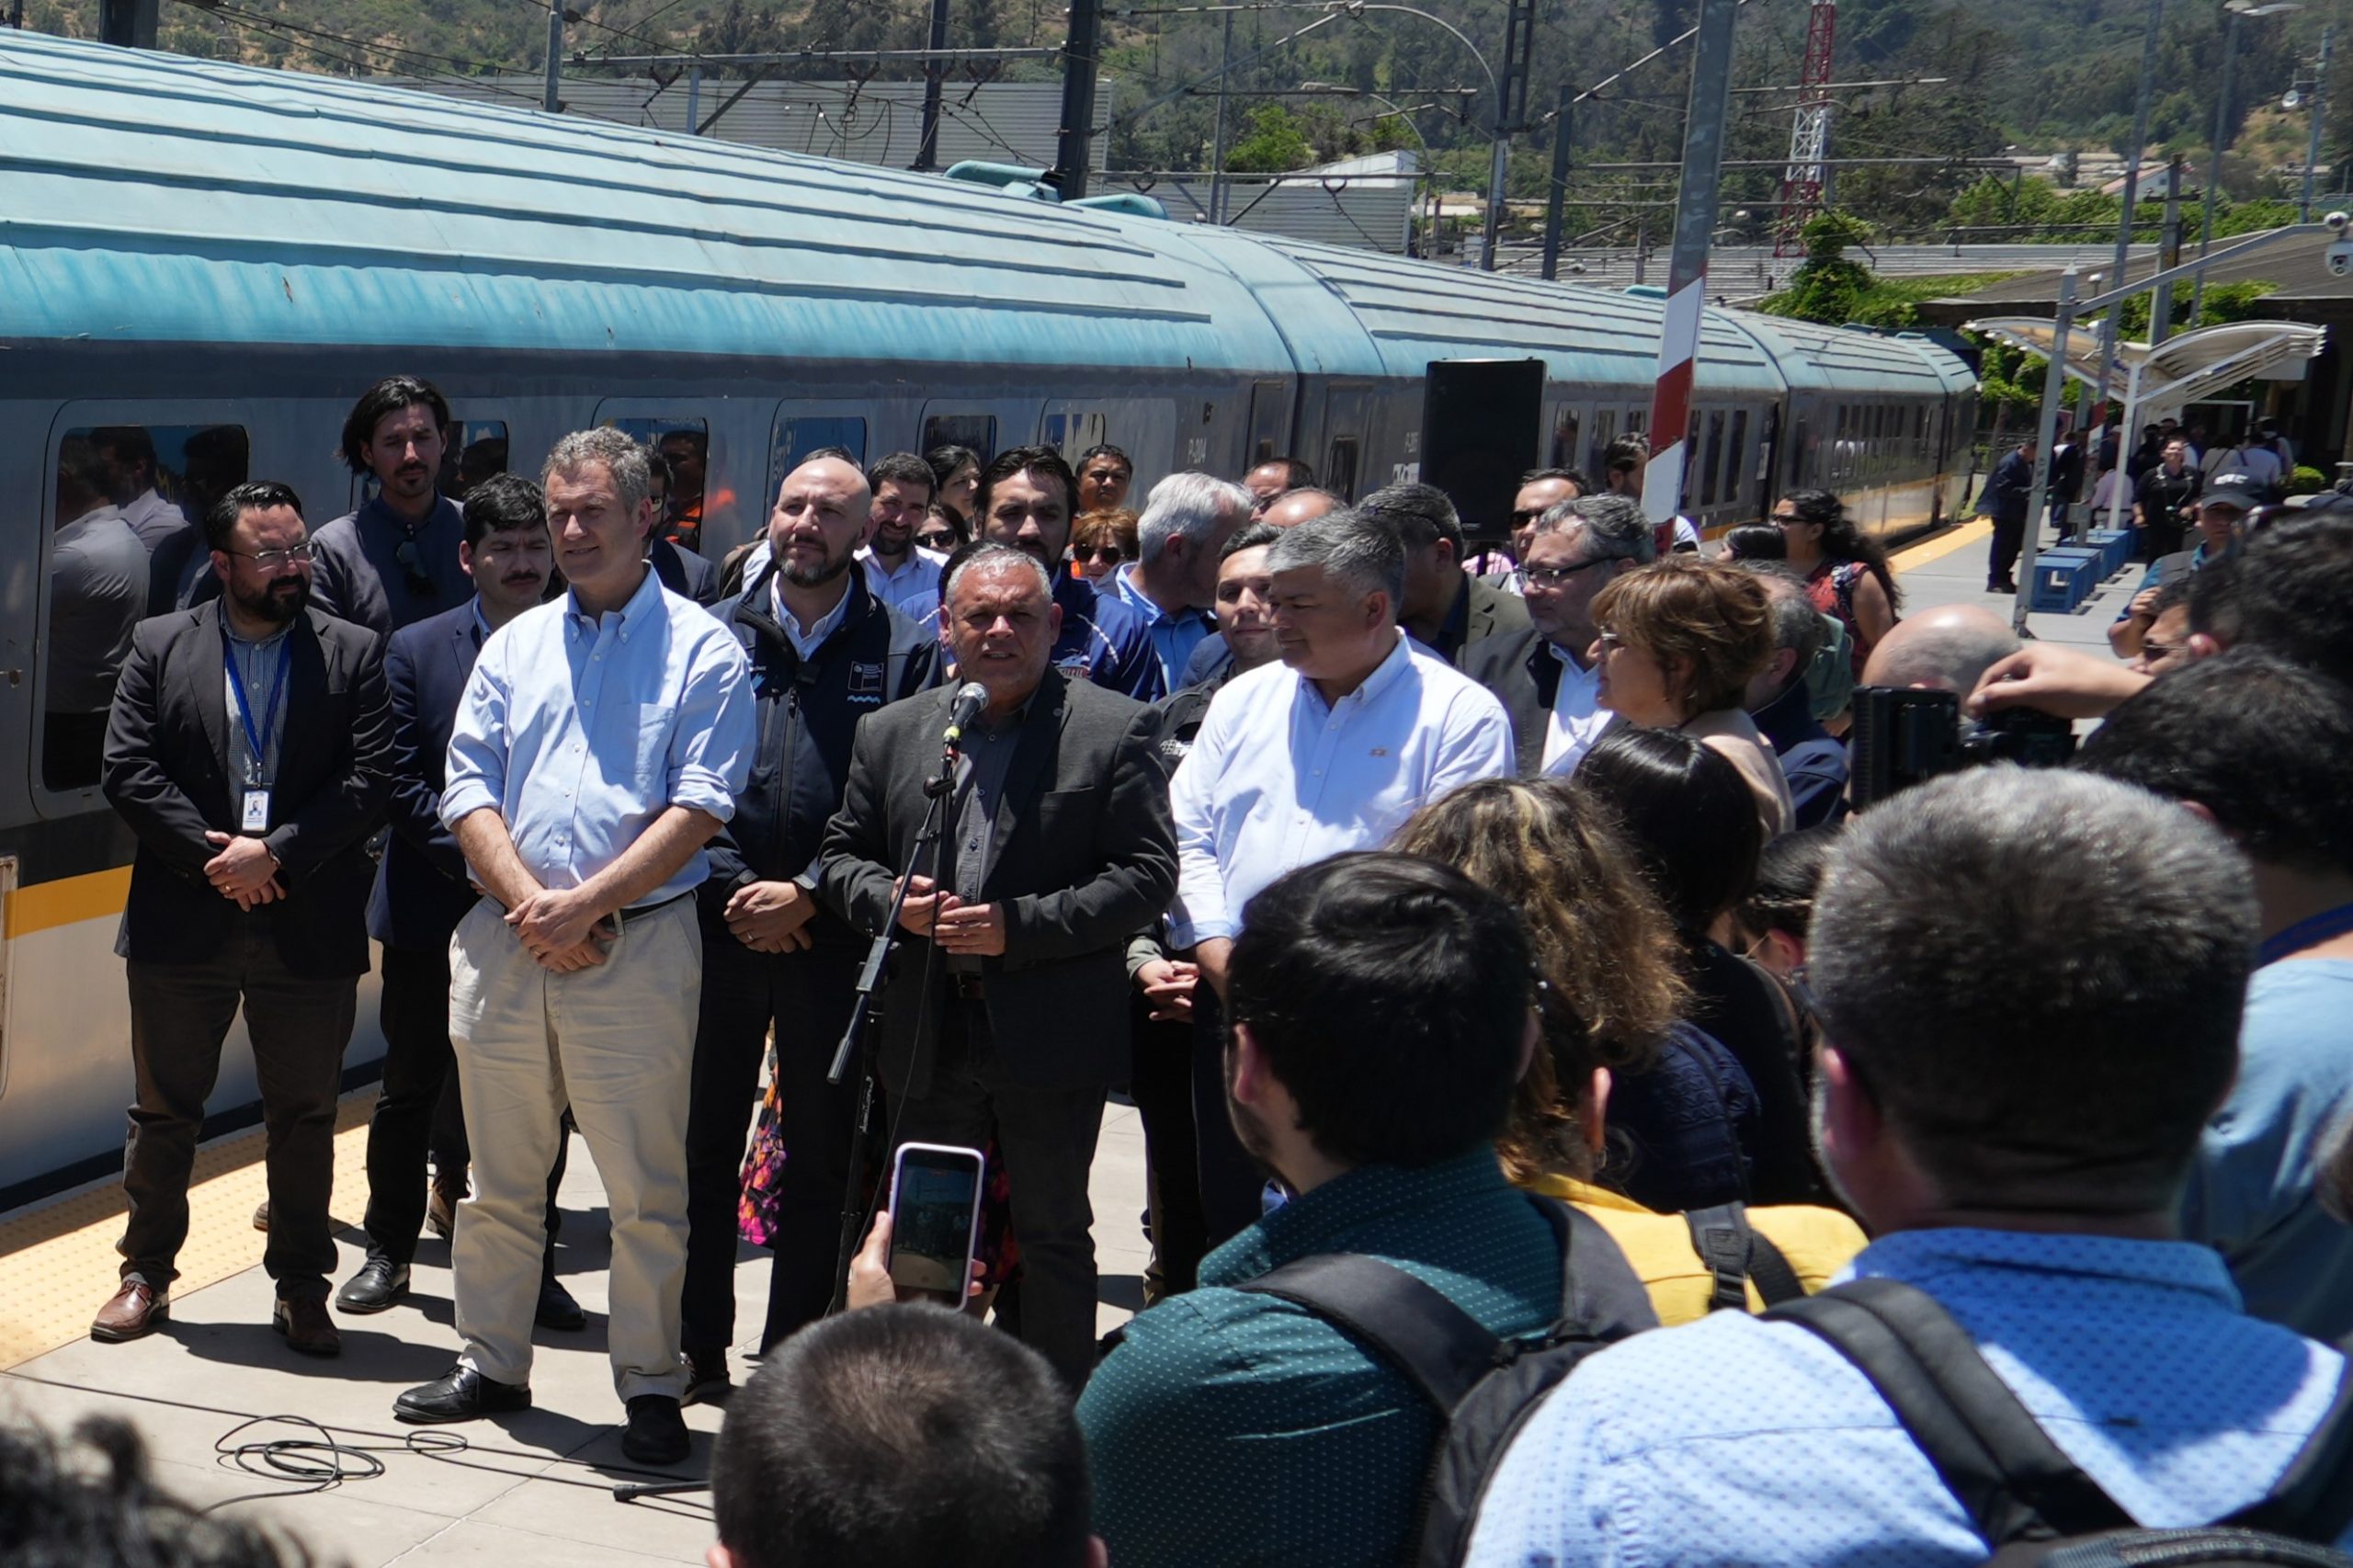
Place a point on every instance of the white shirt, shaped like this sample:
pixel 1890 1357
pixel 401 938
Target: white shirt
pixel 1577 718
pixel 804 643
pixel 1277 778
pixel 917 578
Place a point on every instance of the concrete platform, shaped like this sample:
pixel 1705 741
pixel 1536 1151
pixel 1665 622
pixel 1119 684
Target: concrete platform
pixel 525 1490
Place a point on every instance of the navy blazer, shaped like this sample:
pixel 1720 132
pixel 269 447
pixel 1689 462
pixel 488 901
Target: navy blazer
pixel 422 891
pixel 167 772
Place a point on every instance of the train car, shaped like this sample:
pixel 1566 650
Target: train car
pixel 209 262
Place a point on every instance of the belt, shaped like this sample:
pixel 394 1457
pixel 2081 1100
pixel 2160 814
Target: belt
pixel 636 912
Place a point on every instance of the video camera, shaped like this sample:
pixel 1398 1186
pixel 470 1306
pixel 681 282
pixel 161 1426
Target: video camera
pixel 1903 734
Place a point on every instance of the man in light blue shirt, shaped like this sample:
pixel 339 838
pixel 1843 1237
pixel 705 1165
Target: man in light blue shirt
pixel 2266 748
pixel 600 744
pixel 1173 581
pixel 899 572
pixel 2033 983
pixel 1332 749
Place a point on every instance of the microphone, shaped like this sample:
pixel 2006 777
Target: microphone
pixel 971 698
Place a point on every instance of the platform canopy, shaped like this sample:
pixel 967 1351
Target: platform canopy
pixel 2182 368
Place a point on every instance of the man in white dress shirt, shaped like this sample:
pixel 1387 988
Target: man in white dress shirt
pixel 1330 750
pixel 899 572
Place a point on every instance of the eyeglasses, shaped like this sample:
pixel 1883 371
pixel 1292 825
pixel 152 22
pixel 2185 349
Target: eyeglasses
pixel 271 560
pixel 2153 650
pixel 1108 555
pixel 1608 642
pixel 1554 577
pixel 411 560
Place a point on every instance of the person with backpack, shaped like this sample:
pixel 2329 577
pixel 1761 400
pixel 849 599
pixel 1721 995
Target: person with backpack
pixel 1383 1011
pixel 2258 465
pixel 2031 984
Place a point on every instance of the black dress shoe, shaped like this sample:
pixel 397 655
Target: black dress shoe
pixel 658 1432
pixel 709 1384
pixel 557 1309
pixel 463 1394
pixel 304 1322
pixel 378 1285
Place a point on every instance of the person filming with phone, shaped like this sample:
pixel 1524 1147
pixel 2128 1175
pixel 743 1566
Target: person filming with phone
pixel 1006 1012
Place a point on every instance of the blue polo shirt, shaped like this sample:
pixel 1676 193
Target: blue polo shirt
pixel 1174 637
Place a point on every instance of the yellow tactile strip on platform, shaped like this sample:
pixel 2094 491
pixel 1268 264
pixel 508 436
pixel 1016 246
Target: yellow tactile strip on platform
pixel 57 1263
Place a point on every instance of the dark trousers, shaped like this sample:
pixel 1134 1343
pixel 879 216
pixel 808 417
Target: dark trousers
pixel 808 997
pixel 1233 1184
pixel 300 1024
pixel 1160 1079
pixel 420 1092
pixel 2002 554
pixel 1046 1138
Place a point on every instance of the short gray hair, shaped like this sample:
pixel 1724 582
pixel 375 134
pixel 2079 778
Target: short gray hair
pixel 1187 506
pixel 2038 976
pixel 1614 526
pixel 1948 654
pixel 622 456
pixel 1363 551
pixel 992 555
pixel 1797 625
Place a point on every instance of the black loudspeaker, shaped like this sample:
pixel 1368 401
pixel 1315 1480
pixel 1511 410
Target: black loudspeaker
pixel 1482 422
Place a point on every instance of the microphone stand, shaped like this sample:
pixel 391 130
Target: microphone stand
pixel 936 791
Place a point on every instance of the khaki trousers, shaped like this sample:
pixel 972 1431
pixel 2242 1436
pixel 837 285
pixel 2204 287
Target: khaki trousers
pixel 617 1041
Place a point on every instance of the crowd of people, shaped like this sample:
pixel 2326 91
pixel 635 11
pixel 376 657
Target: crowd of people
pixel 1576 1131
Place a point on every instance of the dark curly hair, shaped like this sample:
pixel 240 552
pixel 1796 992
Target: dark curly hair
pixel 1842 541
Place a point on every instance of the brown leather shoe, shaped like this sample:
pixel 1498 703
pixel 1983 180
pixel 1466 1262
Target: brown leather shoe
pixel 308 1329
pixel 261 1215
pixel 137 1309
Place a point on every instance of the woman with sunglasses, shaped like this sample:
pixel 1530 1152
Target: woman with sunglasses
pixel 1678 642
pixel 1845 569
pixel 940 530
pixel 1099 542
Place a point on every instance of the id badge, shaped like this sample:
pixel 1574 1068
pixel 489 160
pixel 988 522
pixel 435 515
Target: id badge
pixel 257 819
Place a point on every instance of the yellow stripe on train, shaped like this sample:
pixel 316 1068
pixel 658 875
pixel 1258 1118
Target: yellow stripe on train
pixel 68 900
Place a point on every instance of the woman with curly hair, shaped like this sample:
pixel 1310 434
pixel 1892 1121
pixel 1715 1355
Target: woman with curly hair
pixel 1846 570
pixel 1608 955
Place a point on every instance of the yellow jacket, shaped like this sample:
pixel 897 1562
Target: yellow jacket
pixel 1817 1243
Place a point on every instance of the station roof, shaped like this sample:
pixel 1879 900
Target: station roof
pixel 2182 368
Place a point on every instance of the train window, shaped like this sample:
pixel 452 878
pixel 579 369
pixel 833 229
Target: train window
pixel 795 437
pixel 1074 435
pixel 1711 465
pixel 1605 430
pixel 1564 438
pixel 1736 458
pixel 475 450
pixel 1637 421
pixel 1269 421
pixel 977 431
pixel 684 447
pixel 128 543
pixel 1341 468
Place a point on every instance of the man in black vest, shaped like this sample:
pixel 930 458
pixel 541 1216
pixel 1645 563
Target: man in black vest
pixel 824 654
pixel 250 750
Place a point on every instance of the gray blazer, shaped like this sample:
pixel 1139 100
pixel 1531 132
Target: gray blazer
pixel 1083 857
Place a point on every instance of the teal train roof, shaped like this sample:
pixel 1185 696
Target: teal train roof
pixel 152 198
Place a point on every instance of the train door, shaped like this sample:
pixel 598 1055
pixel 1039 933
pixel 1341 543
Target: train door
pixel 1272 404
pixel 1144 428
pixel 1340 466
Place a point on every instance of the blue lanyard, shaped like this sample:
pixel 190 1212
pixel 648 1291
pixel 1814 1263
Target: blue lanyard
pixel 2307 933
pixel 255 752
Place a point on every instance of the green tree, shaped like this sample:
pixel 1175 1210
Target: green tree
pixel 1827 286
pixel 1272 143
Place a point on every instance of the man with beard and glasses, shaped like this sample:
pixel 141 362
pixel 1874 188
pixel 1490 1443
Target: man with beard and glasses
pixel 250 751
pixel 423 890
pixel 825 650
pixel 394 561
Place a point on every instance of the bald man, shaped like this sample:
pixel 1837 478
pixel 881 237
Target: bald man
pixel 1944 649
pixel 825 651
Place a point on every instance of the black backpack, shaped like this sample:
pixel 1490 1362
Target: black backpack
pixel 1484 1388
pixel 2027 1499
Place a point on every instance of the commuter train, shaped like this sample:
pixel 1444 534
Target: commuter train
pixel 223 257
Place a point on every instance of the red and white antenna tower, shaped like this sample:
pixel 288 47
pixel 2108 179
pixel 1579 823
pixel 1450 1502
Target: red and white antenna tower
pixel 1810 134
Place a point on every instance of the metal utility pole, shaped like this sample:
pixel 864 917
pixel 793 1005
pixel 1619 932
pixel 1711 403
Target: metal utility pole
pixel 2111 326
pixel 2319 109
pixel 928 150
pixel 1074 143
pixel 1686 287
pixel 2238 11
pixel 2054 380
pixel 1805 183
pixel 128 23
pixel 2168 256
pixel 554 103
pixel 1556 194
pixel 694 99
pixel 1511 108
pixel 1217 137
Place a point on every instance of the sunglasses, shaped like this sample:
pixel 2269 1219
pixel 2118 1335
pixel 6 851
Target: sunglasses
pixel 411 560
pixel 937 538
pixel 1553 576
pixel 1108 555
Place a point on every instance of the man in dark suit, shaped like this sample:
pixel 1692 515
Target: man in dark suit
pixel 250 750
pixel 1545 676
pixel 1007 1019
pixel 824 654
pixel 1443 607
pixel 2002 502
pixel 423 890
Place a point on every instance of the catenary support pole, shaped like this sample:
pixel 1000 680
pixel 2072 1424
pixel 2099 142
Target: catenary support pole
pixel 2168 256
pixel 1074 155
pixel 2214 163
pixel 2054 382
pixel 2111 326
pixel 928 150
pixel 1555 195
pixel 1686 289
pixel 554 102
pixel 2320 113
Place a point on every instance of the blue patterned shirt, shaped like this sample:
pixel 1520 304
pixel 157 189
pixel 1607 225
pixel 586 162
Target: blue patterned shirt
pixel 580 729
pixel 1737 1440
